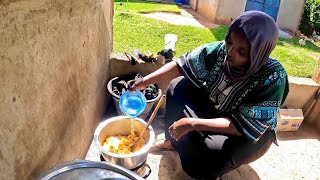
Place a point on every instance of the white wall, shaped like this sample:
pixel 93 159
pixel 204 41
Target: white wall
pixel 289 14
pixel 229 10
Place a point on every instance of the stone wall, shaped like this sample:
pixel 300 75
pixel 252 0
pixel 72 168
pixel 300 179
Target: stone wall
pixel 54 59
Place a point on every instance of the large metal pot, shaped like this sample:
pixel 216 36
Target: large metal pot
pixel 84 170
pixel 120 125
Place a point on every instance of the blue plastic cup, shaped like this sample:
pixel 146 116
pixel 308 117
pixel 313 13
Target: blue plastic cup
pixel 132 103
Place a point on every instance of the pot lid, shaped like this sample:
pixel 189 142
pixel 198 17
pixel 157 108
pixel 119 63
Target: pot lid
pixel 83 170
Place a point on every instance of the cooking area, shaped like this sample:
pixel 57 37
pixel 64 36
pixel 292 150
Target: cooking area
pixel 78 100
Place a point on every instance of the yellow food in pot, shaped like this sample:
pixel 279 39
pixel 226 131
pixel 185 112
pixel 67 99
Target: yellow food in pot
pixel 123 144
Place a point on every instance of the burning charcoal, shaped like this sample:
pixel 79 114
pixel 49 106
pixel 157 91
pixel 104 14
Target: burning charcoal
pixel 122 84
pixel 154 88
pixel 133 61
pixel 148 90
pixel 149 96
pixel 116 91
pixel 167 53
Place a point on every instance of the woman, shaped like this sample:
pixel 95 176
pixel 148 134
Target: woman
pixel 222 104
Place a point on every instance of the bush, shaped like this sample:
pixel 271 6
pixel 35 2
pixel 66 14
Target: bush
pixel 311 18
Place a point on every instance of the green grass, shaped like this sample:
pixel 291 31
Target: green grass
pixel 135 31
pixel 298 61
pixel 144 7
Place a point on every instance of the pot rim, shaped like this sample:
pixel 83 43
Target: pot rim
pixel 143 150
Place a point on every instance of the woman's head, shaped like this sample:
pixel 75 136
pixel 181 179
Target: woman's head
pixel 249 42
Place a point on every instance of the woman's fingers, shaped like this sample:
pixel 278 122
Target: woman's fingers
pixel 136 84
pixel 173 132
pixel 131 85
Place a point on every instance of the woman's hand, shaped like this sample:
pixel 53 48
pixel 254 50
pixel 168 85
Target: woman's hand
pixel 180 128
pixel 136 84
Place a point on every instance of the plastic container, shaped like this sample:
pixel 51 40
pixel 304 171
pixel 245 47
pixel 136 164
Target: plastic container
pixel 170 41
pixel 132 103
pixel 116 99
pixel 180 1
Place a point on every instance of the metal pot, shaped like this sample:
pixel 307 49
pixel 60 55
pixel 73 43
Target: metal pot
pixel 83 170
pixel 120 125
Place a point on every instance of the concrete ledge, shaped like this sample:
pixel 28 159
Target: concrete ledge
pixel 301 90
pixel 301 95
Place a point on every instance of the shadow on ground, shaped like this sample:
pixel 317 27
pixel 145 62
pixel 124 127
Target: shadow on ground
pixel 170 169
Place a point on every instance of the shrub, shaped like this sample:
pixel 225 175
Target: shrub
pixel 311 17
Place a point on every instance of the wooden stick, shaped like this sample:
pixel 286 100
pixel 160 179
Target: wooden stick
pixel 152 116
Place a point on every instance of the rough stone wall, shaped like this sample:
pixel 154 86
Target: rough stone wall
pixel 54 59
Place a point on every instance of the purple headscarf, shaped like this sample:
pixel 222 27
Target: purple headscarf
pixel 262 32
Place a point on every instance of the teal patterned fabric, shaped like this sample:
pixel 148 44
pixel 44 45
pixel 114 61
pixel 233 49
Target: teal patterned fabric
pixel 251 104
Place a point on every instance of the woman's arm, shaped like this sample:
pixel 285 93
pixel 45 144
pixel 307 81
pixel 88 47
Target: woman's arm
pixel 166 72
pixel 219 125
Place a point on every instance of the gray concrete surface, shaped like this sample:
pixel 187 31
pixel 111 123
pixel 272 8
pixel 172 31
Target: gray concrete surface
pixel 53 69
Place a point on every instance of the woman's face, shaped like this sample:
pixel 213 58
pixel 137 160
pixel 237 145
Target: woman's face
pixel 238 51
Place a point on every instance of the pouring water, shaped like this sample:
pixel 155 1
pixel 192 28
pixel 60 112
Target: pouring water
pixel 132 104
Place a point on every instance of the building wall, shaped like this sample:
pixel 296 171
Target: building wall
pixel 54 59
pixel 290 13
pixel 208 8
pixel 194 4
pixel 228 10
pixel 224 11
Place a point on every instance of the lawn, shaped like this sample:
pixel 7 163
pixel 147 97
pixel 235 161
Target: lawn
pixel 139 6
pixel 135 31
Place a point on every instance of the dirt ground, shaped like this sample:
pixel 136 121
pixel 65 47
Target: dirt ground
pixel 188 17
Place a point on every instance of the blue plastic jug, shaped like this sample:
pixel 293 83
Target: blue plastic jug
pixel 132 103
